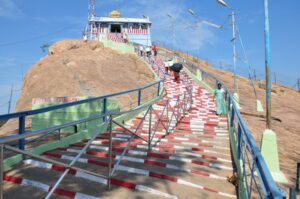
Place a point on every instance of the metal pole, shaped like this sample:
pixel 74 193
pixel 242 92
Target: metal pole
pixel 198 40
pixel 150 123
pixel 1 172
pixel 298 82
pixel 292 194
pixel 298 178
pixel 167 116
pixel 10 98
pixel 110 154
pixel 267 64
pixel 234 51
pixel 104 108
pixel 173 29
pixel 275 78
pixel 158 89
pixel 139 97
pixel 22 120
pixel 254 74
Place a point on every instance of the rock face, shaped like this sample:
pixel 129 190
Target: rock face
pixel 285 108
pixel 79 68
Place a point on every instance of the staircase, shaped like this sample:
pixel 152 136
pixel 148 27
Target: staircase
pixel 190 155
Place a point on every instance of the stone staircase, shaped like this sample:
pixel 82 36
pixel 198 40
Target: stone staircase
pixel 191 161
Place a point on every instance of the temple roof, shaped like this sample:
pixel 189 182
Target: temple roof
pixel 121 20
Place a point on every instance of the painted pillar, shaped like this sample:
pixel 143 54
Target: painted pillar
pixel 109 28
pixel 267 65
pixel 234 51
pixel 235 94
pixel 148 34
pixel 99 31
pixel 91 31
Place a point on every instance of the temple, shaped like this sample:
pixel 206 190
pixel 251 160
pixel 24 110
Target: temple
pixel 119 29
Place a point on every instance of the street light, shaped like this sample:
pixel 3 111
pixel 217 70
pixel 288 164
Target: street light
pixel 267 64
pixel 199 21
pixel 191 11
pixel 204 21
pixel 269 147
pixel 235 94
pixel 223 3
pixel 269 140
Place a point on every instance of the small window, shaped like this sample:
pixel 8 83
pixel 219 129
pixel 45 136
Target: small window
pixel 135 26
pixel 144 26
pixel 103 25
pixel 125 25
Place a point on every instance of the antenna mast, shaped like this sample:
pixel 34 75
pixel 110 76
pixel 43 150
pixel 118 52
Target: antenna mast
pixel 91 9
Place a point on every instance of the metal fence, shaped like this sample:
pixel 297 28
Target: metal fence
pixel 171 114
pixel 255 179
pixel 168 119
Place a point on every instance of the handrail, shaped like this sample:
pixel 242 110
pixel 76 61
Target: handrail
pixel 12 138
pixel 65 105
pixel 23 114
pixel 107 120
pixel 246 146
pixel 178 105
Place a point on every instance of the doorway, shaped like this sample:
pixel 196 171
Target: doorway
pixel 115 28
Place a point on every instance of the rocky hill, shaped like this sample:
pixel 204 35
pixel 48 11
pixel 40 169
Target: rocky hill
pixel 81 68
pixel 285 113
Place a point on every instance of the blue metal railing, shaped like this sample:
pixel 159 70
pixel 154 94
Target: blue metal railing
pixel 255 179
pixel 21 116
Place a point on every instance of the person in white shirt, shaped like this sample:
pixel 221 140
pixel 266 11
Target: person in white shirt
pixel 168 64
pixel 148 51
pixel 141 50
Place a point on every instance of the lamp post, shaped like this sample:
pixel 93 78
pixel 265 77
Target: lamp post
pixel 199 21
pixel 173 29
pixel 269 149
pixel 267 65
pixel 197 28
pixel 10 98
pixel 235 88
pixel 269 139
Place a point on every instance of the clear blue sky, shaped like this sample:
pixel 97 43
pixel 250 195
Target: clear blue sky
pixel 27 25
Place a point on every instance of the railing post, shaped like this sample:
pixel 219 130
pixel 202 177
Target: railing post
pixel 178 109
pixel 293 193
pixel 240 136
pixel 22 131
pixel 104 109
pixel 139 97
pixel 59 134
pixel 232 117
pixel 168 122
pixel 150 124
pixel 298 178
pixel 110 153
pixel 158 88
pixel 184 104
pixel 158 71
pixel 1 171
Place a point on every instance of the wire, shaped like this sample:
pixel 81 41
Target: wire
pixel 5 104
pixel 37 37
pixel 17 90
pixel 246 59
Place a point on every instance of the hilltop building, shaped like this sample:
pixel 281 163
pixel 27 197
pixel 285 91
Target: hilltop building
pixel 119 29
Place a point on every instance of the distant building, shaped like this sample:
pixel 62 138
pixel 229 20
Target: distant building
pixel 120 29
